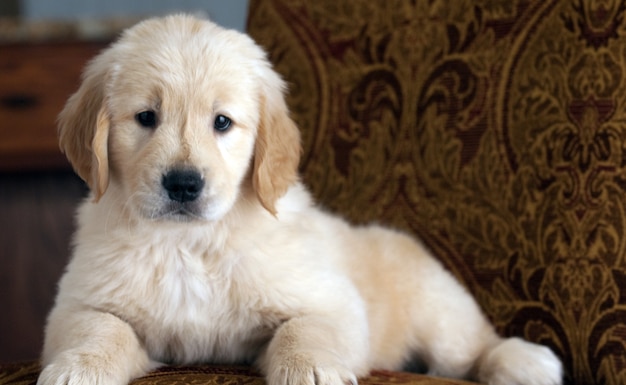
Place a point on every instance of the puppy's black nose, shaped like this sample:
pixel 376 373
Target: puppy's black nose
pixel 183 185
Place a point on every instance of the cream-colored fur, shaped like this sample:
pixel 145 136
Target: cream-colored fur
pixel 251 270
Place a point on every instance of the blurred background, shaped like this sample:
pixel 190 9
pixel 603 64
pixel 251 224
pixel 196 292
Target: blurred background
pixel 231 13
pixel 44 44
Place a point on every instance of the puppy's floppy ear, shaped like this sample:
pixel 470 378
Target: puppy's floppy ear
pixel 84 127
pixel 277 150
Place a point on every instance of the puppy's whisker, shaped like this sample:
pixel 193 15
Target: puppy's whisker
pixel 127 212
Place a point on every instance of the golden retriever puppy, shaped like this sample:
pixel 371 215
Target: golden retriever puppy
pixel 199 244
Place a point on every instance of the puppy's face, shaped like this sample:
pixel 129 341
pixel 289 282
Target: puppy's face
pixel 177 114
pixel 184 119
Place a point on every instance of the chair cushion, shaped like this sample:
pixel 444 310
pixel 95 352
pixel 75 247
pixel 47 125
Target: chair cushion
pixel 26 374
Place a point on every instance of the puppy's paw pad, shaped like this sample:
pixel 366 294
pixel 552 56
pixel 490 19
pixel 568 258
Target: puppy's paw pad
pixel 515 361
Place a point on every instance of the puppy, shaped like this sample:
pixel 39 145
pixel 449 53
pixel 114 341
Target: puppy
pixel 199 244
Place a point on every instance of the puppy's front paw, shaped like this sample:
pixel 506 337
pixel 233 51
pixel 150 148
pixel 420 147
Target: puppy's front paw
pixel 71 368
pixel 307 369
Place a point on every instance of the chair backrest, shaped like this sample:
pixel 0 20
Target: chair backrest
pixel 492 130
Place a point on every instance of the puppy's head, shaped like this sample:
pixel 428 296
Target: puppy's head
pixel 176 115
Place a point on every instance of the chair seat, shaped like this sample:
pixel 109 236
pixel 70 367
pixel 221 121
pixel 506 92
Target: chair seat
pixel 26 373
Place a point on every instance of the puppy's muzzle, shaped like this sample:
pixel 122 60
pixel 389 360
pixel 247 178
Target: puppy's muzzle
pixel 183 185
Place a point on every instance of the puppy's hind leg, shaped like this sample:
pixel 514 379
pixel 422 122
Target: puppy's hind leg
pixel 456 340
pixel 515 361
pixel 449 331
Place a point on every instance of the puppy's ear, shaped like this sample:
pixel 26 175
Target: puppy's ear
pixel 84 128
pixel 277 150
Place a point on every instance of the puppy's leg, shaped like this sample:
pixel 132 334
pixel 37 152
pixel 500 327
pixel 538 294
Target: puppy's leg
pixel 456 339
pixel 515 361
pixel 91 347
pixel 317 350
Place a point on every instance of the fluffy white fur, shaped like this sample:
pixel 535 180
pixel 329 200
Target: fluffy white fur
pixel 251 270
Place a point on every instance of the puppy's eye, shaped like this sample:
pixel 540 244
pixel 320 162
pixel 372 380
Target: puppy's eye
pixel 147 119
pixel 222 123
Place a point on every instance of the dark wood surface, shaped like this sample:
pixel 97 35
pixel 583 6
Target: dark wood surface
pixel 38 190
pixel 35 82
pixel 36 223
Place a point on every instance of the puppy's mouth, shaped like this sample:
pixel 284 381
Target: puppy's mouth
pixel 180 212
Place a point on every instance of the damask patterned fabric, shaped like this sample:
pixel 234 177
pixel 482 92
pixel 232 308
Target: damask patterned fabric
pixel 492 129
pixel 27 373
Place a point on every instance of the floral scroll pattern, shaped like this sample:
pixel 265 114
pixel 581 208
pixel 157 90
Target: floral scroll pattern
pixel 27 373
pixel 495 130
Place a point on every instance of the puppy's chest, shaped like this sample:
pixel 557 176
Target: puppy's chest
pixel 197 312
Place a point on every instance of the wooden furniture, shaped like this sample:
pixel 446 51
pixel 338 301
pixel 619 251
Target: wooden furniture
pixel 35 81
pixel 38 190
